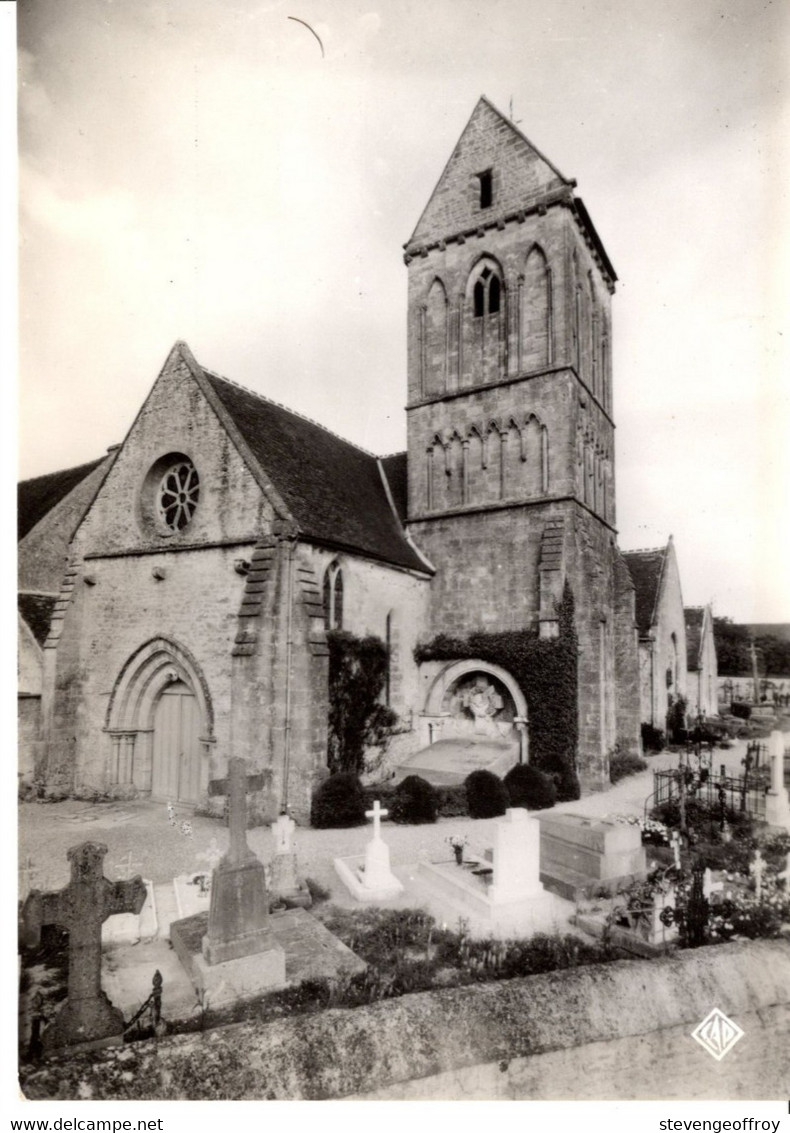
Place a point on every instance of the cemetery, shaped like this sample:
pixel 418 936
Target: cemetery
pixel 136 986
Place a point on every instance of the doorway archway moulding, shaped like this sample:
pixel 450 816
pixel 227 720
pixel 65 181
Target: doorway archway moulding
pixel 130 713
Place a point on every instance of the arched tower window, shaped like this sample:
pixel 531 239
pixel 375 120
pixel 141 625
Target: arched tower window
pixel 484 325
pixel 487 293
pixel 333 597
pixel 434 358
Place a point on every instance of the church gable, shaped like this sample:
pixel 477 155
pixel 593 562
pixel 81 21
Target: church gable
pixel 179 478
pixel 494 170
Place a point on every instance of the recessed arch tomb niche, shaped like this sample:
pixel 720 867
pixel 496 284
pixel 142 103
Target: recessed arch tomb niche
pixel 476 702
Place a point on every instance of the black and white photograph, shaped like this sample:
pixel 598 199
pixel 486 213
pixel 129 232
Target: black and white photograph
pixel 403 621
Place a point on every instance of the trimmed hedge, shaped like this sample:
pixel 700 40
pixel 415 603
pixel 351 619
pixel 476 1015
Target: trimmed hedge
pixel 414 801
pixel 528 787
pixel 486 795
pixel 450 801
pixel 338 801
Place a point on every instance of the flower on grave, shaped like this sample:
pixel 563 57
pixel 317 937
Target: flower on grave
pixel 457 841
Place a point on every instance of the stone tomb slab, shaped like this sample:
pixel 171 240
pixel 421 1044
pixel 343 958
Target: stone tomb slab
pixel 466 890
pixel 578 853
pixel 311 952
pixel 129 928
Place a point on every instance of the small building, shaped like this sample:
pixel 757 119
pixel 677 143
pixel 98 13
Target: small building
pixel 702 673
pixel 661 626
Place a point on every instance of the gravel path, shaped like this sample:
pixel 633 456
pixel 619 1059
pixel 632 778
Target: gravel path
pixel 138 833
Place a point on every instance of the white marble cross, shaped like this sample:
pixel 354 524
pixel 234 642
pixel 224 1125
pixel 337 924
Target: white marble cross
pixel 756 869
pixel 283 830
pixel 675 840
pixel 709 886
pixel 127 867
pixel 28 875
pixel 211 854
pixel 376 814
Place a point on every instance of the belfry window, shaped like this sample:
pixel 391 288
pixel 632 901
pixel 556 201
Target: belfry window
pixel 333 597
pixel 487 294
pixel 486 182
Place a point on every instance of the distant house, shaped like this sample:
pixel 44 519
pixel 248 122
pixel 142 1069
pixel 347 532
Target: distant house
pixel 661 628
pixel 702 673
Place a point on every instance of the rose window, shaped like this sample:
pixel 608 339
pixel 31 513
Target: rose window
pixel 179 492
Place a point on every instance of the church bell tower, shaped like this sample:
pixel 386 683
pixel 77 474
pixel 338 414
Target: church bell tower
pixel 510 429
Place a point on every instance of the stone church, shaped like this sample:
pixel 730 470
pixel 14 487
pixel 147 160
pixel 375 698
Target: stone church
pixel 176 595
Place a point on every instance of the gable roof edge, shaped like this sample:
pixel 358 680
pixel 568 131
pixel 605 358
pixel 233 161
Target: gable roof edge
pixel 485 99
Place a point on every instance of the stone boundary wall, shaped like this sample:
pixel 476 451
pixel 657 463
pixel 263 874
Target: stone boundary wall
pixel 519 1038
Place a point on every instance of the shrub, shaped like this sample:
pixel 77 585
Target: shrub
pixel 414 802
pixel 676 720
pixel 486 795
pixel 530 788
pixel 451 801
pixel 652 738
pixel 622 763
pixel 742 711
pixel 339 801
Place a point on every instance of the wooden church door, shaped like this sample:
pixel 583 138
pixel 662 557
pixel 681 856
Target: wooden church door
pixel 176 756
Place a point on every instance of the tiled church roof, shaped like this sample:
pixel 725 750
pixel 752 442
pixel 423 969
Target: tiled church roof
pixel 694 617
pixel 333 489
pixel 37 609
pixel 38 496
pixel 646 568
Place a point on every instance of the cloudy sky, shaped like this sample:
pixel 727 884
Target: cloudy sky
pixel 201 169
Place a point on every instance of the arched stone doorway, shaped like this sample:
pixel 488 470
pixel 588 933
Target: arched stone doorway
pixel 160 722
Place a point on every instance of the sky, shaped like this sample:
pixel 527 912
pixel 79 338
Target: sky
pixel 207 170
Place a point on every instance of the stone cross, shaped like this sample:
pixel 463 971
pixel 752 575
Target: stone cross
pixel 376 814
pixel 756 869
pixel 81 907
pixel 675 841
pixel 236 787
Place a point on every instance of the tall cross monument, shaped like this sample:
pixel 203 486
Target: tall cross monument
pixel 88 1018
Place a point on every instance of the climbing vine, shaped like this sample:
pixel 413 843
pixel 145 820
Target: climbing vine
pixel 546 670
pixel 357 718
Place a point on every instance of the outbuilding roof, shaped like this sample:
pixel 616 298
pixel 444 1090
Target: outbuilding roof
pixel 646 568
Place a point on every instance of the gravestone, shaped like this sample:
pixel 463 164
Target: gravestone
pixel 777 804
pixel 371 879
pixel 499 889
pixel 285 884
pixel 579 853
pixel 516 858
pixel 239 956
pixel 87 1019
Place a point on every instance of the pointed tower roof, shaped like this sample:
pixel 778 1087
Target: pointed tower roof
pixel 522 179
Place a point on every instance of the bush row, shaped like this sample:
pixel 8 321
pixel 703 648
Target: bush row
pixel 341 800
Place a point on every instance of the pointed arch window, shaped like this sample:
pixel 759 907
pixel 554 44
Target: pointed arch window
pixel 333 597
pixel 487 293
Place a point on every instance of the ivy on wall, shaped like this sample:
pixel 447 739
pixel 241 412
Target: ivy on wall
pixel 546 670
pixel 357 718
